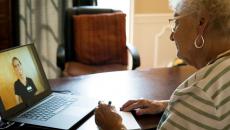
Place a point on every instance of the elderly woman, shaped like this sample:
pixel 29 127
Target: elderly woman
pixel 201 32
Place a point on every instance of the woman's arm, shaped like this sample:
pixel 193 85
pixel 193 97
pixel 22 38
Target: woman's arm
pixel 18 99
pixel 107 118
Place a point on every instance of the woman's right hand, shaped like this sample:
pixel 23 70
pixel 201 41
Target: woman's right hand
pixel 107 118
pixel 145 106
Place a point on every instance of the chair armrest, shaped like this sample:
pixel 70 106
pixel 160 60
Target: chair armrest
pixel 61 56
pixel 135 56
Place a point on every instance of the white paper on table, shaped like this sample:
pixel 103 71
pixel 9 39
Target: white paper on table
pixel 129 121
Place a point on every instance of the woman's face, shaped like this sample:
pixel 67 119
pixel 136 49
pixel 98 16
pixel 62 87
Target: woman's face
pixel 17 68
pixel 184 35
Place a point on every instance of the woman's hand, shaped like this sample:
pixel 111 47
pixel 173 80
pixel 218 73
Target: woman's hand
pixel 145 106
pixel 107 118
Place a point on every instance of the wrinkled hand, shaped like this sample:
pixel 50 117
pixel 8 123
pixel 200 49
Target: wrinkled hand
pixel 145 106
pixel 107 118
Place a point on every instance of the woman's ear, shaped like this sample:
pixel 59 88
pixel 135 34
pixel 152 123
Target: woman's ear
pixel 203 23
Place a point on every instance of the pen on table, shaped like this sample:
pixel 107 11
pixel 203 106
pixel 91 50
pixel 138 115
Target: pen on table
pixel 109 103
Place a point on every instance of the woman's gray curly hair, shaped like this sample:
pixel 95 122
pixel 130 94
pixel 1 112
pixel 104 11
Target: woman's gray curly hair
pixel 219 11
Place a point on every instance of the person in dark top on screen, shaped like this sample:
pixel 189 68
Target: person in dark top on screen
pixel 24 87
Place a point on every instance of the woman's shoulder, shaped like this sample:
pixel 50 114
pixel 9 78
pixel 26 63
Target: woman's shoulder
pixel 210 81
pixel 215 80
pixel 16 82
pixel 218 72
pixel 27 78
pixel 222 64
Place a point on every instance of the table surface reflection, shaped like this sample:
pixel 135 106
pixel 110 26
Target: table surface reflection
pixel 121 86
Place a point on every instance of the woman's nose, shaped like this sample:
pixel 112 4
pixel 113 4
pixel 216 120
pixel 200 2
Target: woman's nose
pixel 172 36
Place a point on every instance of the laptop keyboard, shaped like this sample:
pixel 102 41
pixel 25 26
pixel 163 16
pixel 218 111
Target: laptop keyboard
pixel 49 108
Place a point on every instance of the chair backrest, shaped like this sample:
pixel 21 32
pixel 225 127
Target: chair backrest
pixel 69 26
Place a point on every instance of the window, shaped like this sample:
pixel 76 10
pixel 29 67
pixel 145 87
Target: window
pixel 123 5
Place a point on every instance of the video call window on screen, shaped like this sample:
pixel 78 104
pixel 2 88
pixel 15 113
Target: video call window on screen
pixel 20 79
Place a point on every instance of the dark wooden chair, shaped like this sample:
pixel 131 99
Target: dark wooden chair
pixel 71 62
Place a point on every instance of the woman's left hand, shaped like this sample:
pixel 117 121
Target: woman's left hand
pixel 107 118
pixel 145 106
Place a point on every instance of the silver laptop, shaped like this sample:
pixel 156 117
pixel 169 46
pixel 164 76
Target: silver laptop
pixel 26 96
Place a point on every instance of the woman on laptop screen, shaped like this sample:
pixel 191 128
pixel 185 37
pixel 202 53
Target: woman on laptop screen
pixel 24 87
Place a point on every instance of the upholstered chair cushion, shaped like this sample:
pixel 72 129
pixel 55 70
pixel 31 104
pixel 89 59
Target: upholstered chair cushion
pixel 100 38
pixel 76 69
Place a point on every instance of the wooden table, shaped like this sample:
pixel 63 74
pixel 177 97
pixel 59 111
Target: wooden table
pixel 124 85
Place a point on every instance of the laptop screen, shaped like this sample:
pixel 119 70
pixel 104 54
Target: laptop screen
pixel 21 77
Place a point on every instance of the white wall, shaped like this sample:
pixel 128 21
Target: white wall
pixel 123 5
pixel 148 29
pixel 151 33
pixel 151 37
